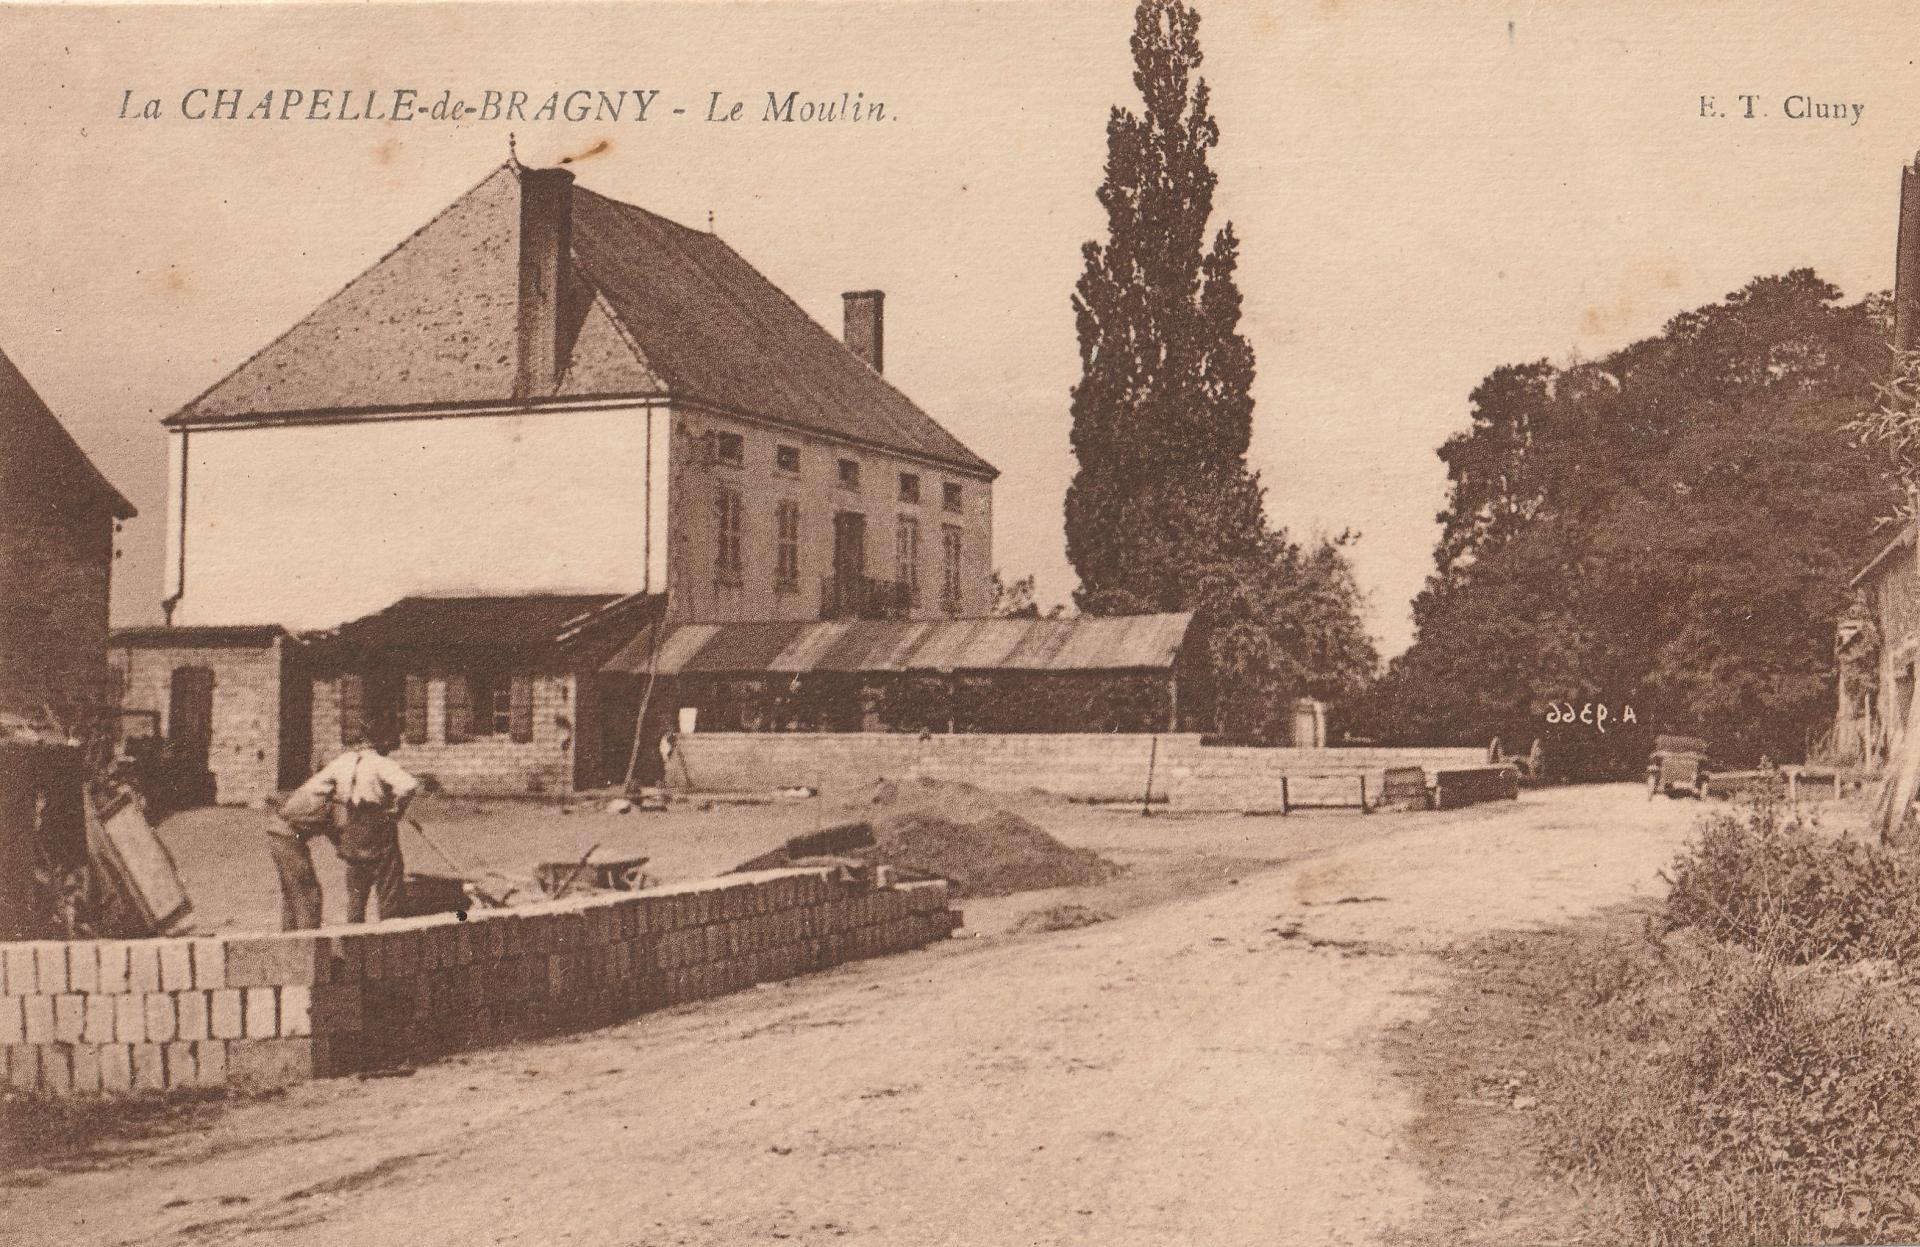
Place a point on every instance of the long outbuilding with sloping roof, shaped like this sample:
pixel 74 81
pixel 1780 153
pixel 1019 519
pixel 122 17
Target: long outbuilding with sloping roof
pixel 1120 673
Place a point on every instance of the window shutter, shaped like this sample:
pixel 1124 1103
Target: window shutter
pixel 416 710
pixel 459 709
pixel 523 708
pixel 351 692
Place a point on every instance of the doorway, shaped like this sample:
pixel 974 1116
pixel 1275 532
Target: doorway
pixel 189 744
pixel 849 565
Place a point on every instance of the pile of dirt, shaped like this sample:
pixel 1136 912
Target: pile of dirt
pixel 1061 918
pixel 996 855
pixel 970 836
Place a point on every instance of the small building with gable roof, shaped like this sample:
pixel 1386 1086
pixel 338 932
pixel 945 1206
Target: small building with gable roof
pixel 58 515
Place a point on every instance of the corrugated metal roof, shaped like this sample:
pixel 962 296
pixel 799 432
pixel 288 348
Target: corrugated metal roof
pixel 1111 643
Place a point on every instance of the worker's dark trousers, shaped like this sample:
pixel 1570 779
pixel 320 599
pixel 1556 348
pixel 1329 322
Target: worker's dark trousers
pixel 299 886
pixel 383 877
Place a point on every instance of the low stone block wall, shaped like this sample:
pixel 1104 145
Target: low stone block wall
pixel 254 1011
pixel 1102 766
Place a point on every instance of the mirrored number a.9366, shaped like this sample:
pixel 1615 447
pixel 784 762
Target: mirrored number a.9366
pixel 1595 715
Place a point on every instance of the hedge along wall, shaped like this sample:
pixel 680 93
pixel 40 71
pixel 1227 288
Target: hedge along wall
pixel 1087 765
pixel 255 1011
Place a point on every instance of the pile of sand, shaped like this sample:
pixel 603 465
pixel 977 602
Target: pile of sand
pixel 993 856
pixel 970 837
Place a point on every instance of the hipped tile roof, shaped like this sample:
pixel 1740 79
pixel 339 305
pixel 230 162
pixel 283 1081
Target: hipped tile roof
pixel 651 308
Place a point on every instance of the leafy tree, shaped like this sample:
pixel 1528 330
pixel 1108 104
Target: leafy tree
pixel 1162 415
pixel 1017 599
pixel 1163 512
pixel 1671 527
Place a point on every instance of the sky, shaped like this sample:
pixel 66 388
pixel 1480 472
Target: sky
pixel 1422 192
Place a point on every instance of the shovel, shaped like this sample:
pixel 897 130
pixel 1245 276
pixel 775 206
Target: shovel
pixel 466 875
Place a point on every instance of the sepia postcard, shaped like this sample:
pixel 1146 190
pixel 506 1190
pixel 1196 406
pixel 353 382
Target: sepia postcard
pixel 901 622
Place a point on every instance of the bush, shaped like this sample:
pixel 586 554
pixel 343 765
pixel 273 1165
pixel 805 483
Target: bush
pixel 1718 1097
pixel 1769 882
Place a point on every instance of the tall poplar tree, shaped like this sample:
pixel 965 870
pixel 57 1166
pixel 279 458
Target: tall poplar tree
pixel 1164 513
pixel 1163 412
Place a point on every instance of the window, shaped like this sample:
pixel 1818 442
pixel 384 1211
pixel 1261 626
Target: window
pixel 786 564
pixel 950 496
pixel 726 560
pixel 492 704
pixel 849 474
pixel 909 487
pixel 488 703
pixel 950 568
pixel 787 459
pixel 906 558
pixel 730 449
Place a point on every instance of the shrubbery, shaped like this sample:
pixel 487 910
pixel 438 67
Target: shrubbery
pixel 1723 1099
pixel 1728 1080
pixel 1771 883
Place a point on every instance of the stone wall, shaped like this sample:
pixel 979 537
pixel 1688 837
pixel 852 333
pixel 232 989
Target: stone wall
pixel 1090 766
pixel 253 1011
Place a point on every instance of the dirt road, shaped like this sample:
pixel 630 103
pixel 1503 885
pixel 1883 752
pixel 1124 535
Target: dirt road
pixel 1202 1069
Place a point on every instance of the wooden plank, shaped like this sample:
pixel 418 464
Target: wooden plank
pixel 1326 792
pixel 1903 777
pixel 140 865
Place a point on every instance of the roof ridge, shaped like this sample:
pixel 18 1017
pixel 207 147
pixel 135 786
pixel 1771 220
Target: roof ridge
pixel 713 279
pixel 894 425
pixel 508 166
pixel 634 207
pixel 896 432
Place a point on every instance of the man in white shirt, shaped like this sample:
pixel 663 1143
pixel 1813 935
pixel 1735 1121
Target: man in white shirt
pixel 305 814
pixel 368 793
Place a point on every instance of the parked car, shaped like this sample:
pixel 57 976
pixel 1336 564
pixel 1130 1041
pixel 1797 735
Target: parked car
pixel 1678 767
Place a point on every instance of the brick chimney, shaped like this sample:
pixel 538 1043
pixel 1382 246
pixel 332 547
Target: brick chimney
pixel 546 234
pixel 1906 266
pixel 866 324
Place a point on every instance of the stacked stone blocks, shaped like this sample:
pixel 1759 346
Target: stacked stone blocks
pixel 112 1018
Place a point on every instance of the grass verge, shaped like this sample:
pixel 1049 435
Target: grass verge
pixel 1731 1066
